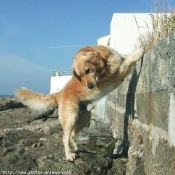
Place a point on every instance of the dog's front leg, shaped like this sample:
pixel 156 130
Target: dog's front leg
pixel 126 66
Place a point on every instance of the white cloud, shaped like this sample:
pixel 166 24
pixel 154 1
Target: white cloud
pixel 59 47
pixel 17 71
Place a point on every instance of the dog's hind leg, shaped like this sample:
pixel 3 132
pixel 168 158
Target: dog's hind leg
pixel 68 119
pixel 82 121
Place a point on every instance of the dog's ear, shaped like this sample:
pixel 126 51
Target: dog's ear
pixel 104 52
pixel 101 61
pixel 98 60
pixel 75 74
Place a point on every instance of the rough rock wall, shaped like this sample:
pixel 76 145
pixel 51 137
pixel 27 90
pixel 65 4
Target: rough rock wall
pixel 142 112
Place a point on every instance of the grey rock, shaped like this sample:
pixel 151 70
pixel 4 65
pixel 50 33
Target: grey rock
pixel 39 121
pixel 14 114
pixel 53 114
pixel 14 117
pixel 36 115
pixel 119 167
pixel 30 141
pixel 55 129
pixel 9 103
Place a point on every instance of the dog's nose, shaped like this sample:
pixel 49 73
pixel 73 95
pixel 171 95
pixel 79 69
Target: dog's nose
pixel 90 85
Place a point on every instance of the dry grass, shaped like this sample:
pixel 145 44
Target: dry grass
pixel 162 23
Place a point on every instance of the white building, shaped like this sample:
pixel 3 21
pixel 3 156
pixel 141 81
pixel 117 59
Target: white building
pixel 125 30
pixel 58 82
pixel 104 40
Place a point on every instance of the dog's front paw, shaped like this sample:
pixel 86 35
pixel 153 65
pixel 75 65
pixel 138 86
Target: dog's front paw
pixel 90 106
pixel 139 54
pixel 71 157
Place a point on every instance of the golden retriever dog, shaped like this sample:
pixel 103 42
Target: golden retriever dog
pixel 97 70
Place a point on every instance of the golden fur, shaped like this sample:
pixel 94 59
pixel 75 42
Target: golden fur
pixel 97 70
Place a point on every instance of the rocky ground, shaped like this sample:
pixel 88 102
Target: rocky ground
pixel 32 143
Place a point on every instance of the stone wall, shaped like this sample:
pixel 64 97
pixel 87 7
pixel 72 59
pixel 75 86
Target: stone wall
pixel 142 112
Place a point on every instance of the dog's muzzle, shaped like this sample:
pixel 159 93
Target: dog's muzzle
pixel 91 85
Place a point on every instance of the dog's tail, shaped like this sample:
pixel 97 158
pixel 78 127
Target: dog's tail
pixel 35 101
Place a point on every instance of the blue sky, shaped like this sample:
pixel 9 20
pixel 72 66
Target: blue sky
pixel 39 36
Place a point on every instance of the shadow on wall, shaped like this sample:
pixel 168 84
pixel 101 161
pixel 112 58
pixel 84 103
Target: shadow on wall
pixel 130 112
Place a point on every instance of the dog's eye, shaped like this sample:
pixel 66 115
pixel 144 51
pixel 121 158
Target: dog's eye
pixel 87 71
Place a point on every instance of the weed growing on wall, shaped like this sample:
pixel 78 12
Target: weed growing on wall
pixel 162 23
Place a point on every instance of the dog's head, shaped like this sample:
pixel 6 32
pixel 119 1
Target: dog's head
pixel 89 64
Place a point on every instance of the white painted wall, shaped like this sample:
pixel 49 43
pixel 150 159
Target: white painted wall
pixel 100 105
pixel 58 82
pixel 103 40
pixel 124 31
